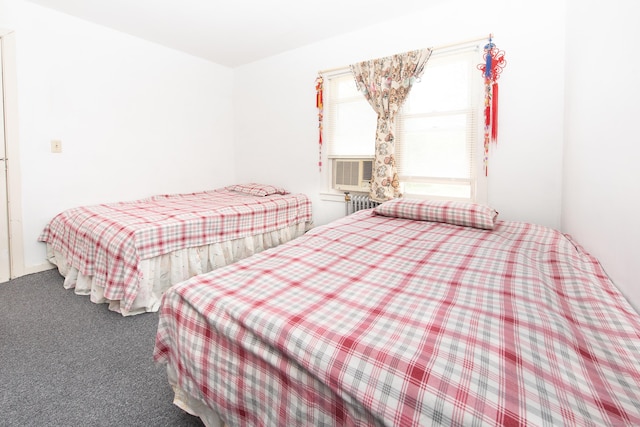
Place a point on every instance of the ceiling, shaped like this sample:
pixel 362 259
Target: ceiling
pixel 235 32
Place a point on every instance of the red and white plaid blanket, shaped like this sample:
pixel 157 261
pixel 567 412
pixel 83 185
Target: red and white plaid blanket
pixel 385 321
pixel 108 241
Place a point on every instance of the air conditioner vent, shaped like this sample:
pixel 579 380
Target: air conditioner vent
pixel 367 170
pixel 347 172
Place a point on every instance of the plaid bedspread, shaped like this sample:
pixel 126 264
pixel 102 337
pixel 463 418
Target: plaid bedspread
pixel 108 241
pixel 385 321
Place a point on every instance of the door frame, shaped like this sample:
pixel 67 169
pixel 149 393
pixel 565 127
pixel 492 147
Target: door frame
pixel 10 85
pixel 5 253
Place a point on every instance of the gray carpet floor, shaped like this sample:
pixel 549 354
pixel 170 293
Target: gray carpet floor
pixel 65 361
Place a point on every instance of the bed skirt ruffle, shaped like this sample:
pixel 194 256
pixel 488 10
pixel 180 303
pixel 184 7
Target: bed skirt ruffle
pixel 164 271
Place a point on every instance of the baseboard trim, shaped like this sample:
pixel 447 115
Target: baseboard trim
pixel 31 269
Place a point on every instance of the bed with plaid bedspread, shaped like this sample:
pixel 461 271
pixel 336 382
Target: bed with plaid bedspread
pixel 111 244
pixel 382 321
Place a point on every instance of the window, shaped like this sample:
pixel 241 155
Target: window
pixel 438 133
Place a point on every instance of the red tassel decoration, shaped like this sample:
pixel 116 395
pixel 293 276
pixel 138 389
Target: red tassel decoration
pixel 491 68
pixel 494 113
pixel 319 106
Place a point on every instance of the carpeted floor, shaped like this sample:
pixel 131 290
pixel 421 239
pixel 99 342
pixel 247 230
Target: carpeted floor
pixel 65 361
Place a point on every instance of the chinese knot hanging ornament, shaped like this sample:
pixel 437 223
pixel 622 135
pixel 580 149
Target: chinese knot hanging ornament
pixel 494 62
pixel 320 107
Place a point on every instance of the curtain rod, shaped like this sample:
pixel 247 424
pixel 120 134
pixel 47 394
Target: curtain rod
pixel 441 47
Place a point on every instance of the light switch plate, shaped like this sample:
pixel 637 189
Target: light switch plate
pixel 56 146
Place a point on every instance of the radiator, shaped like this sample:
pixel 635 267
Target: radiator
pixel 359 202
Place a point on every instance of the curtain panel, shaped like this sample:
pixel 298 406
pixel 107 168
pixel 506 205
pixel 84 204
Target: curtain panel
pixel 385 83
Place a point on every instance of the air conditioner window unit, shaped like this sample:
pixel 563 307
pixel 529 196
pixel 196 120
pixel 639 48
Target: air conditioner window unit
pixel 350 174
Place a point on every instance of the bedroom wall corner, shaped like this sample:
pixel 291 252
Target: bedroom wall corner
pixel 601 174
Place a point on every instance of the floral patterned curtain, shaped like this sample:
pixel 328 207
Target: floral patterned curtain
pixel 385 83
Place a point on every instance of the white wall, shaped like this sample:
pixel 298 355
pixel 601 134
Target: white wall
pixel 601 169
pixel 276 124
pixel 134 118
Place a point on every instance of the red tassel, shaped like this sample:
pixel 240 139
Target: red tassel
pixel 494 113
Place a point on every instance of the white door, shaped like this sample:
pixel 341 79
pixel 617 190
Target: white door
pixel 5 263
